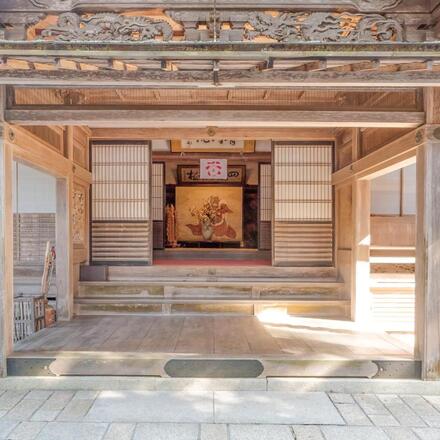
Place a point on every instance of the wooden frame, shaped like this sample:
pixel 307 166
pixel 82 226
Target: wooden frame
pixel 148 222
pixel 213 182
pixel 276 223
pixel 249 147
pixel 259 206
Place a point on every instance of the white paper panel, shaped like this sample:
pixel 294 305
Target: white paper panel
pixel 302 180
pixel 121 183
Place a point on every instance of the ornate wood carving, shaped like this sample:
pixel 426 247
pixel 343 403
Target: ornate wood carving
pixel 14 26
pixel 284 26
pixel 324 27
pixel 79 216
pixel 107 27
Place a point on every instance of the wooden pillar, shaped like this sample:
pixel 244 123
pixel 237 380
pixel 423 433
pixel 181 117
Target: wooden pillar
pixel 353 229
pixel 428 259
pixel 64 263
pixel 6 243
pixel 361 298
pixel 427 341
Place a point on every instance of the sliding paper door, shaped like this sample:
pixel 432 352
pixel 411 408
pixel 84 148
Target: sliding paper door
pixel 121 213
pixel 303 204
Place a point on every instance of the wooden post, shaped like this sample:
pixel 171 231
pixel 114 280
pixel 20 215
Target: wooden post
pixel 360 301
pixel 427 346
pixel 6 243
pixel 64 248
pixel 353 235
pixel 427 341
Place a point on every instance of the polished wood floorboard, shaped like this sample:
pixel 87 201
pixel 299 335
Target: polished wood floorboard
pixel 219 336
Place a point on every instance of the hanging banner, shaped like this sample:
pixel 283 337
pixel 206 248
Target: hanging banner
pixel 214 169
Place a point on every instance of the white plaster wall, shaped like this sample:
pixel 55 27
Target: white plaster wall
pixel 34 191
pixel 385 193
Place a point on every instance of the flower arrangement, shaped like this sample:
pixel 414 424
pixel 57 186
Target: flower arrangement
pixel 208 213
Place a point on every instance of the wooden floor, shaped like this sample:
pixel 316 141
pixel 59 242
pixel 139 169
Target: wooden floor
pixel 287 337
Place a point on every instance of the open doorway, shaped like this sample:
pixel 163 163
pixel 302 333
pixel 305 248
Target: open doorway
pixel 392 254
pixel 34 210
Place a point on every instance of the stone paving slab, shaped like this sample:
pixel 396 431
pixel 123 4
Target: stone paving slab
pixel 166 431
pixel 72 431
pixel 192 414
pixel 291 408
pixel 260 432
pixel 353 433
pixel 148 406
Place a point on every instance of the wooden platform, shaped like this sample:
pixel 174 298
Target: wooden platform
pixel 286 346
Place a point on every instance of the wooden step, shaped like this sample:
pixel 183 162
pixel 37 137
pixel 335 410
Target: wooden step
pixel 140 273
pixel 303 305
pixel 205 288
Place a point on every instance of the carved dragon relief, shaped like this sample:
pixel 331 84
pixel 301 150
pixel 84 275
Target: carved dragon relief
pixel 324 27
pixel 283 27
pixel 107 27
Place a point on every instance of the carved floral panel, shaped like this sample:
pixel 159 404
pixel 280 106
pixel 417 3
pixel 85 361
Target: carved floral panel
pixel 79 215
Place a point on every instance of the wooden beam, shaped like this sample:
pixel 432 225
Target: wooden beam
pixel 6 241
pixel 247 133
pixel 397 154
pixel 219 118
pixel 226 78
pixel 30 149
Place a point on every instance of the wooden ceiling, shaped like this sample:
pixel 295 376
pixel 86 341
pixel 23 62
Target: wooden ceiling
pixel 367 99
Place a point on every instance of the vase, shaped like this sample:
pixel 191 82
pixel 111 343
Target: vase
pixel 207 231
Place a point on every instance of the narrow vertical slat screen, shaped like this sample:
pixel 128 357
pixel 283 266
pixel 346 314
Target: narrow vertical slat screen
pixel 265 190
pixel 157 191
pixel 157 203
pixel 121 230
pixel 303 204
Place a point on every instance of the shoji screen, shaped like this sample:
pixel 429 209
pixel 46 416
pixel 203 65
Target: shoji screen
pixel 265 201
pixel 303 204
pixel 157 203
pixel 121 219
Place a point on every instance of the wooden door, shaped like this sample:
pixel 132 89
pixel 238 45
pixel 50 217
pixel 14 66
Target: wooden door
pixel 302 204
pixel 121 203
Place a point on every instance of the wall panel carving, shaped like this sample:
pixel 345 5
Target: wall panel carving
pixel 229 26
pixel 324 27
pixel 107 27
pixel 79 215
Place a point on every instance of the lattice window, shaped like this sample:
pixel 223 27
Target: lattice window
pixel 265 186
pixel 302 180
pixel 157 191
pixel 121 182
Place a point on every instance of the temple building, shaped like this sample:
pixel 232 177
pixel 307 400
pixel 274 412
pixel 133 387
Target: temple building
pixel 227 189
